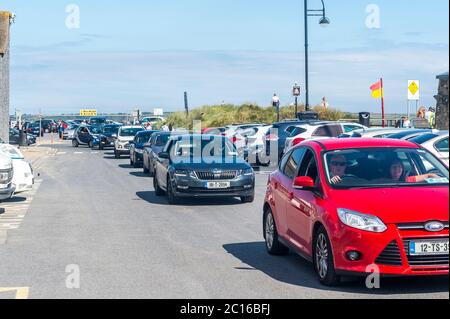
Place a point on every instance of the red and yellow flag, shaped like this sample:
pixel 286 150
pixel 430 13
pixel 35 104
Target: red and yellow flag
pixel 377 90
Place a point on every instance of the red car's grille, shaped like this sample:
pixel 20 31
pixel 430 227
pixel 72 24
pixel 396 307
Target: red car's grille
pixel 425 260
pixel 390 255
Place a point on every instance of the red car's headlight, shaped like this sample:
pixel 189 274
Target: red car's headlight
pixel 361 221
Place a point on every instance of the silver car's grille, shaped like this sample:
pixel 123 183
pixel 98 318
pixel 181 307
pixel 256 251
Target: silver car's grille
pixel 210 175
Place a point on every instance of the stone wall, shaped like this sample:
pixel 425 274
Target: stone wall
pixel 442 103
pixel 4 76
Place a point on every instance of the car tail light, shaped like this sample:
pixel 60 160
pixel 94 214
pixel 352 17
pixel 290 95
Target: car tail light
pixel 234 139
pixel 297 141
pixel 272 137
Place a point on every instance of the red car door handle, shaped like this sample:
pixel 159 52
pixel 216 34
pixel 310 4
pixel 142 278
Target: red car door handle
pixel 275 185
pixel 291 196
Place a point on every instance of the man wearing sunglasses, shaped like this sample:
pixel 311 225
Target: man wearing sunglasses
pixel 338 166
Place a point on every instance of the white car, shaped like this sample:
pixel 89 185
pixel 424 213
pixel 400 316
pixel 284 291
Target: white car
pixel 377 132
pixel 436 143
pixel 320 130
pixel 23 178
pixel 125 135
pixel 7 187
pixel 231 130
pixel 152 119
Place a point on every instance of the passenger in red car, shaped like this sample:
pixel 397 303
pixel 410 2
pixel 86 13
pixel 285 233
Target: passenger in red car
pixel 397 174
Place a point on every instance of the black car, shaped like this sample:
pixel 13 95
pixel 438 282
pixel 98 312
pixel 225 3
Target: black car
pixel 137 147
pixel 192 166
pixel 151 150
pixel 108 136
pixel 97 121
pixel 14 137
pixel 278 134
pixel 86 135
pixel 34 129
pixel 49 126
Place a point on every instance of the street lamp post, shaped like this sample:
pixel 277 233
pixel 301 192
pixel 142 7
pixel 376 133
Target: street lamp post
pixel 324 21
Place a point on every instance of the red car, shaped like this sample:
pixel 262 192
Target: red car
pixel 353 205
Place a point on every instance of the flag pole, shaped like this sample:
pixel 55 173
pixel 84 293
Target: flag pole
pixel 382 103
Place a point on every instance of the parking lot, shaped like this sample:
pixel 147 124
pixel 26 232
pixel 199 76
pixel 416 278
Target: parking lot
pixel 97 214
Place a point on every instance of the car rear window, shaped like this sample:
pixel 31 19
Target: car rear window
pixel 423 138
pixel 328 131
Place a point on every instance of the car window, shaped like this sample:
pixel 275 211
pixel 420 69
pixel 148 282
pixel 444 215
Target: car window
pixel 161 140
pixel 308 166
pixel 291 167
pixel 128 132
pixel 284 161
pixel 297 131
pixel 351 128
pixel 328 131
pixel 423 138
pixel 442 146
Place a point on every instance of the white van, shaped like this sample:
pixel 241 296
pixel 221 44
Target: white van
pixel 7 187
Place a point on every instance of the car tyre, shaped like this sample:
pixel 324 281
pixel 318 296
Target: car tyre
pixel 273 245
pixel 146 170
pixel 158 190
pixel 172 198
pixel 151 170
pixel 323 259
pixel 248 199
pixel 75 143
pixel 90 145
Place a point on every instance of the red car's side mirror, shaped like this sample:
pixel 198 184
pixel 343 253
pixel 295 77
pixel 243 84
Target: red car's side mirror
pixel 304 182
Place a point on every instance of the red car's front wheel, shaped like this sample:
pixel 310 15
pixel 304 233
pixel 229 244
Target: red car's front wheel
pixel 323 259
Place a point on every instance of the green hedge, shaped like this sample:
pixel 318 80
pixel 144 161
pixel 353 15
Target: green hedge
pixel 222 115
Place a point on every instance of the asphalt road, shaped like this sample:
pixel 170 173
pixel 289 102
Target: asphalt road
pixel 101 216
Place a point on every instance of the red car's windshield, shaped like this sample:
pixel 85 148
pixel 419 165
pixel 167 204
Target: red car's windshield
pixel 379 167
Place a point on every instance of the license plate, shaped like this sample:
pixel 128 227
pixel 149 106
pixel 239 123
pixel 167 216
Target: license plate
pixel 218 185
pixel 428 248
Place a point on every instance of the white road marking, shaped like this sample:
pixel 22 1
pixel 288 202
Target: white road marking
pixel 78 153
pixel 14 213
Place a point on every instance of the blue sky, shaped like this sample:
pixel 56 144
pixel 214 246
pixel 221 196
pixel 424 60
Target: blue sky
pixel 147 53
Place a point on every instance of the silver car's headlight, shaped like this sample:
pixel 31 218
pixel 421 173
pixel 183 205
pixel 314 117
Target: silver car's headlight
pixel 247 172
pixel 361 221
pixel 185 173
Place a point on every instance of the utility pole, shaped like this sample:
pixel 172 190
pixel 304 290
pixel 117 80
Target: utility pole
pixel 5 21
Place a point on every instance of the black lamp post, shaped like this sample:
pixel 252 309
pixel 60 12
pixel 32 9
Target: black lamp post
pixel 324 21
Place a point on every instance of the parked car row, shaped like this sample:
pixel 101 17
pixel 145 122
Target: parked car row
pixel 182 165
pixel 342 195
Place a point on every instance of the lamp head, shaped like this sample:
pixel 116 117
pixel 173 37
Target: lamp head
pixel 324 21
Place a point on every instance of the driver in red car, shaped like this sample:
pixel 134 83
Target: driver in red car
pixel 338 166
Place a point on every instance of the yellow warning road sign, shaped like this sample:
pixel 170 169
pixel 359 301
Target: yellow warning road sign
pixel 413 90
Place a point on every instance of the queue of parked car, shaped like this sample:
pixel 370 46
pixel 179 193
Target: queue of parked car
pixel 344 196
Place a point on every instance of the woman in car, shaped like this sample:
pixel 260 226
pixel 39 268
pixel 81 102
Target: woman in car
pixel 397 174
